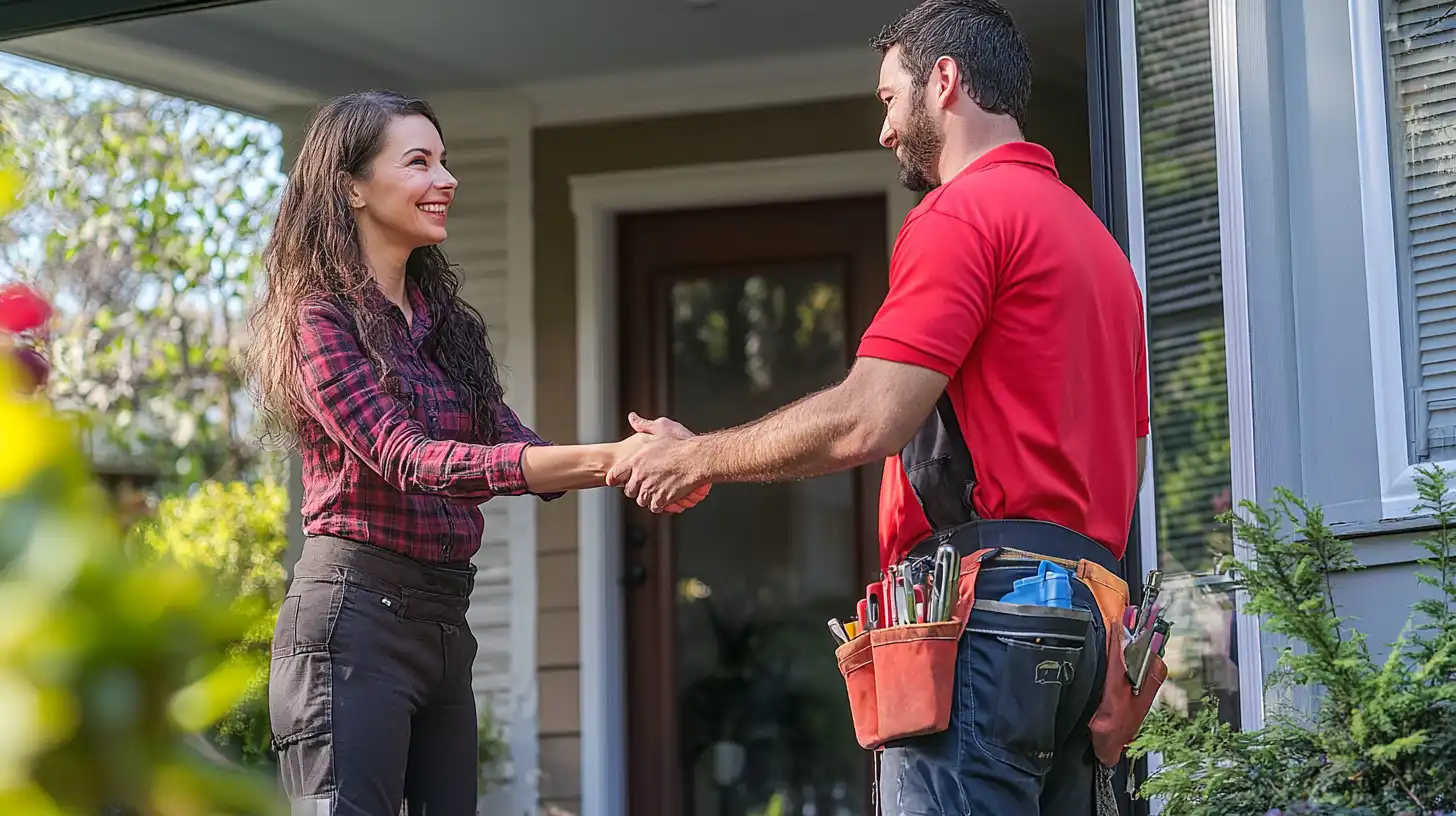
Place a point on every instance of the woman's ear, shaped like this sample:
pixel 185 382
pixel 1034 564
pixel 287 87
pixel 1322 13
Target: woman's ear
pixel 352 192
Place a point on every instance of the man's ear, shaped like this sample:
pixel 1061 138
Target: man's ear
pixel 945 81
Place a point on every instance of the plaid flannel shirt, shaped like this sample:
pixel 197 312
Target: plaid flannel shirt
pixel 404 474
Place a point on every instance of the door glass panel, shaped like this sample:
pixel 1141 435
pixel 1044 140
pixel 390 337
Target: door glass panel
pixel 1190 434
pixel 763 722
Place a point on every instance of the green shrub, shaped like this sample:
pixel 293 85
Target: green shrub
pixel 110 666
pixel 237 534
pixel 1383 737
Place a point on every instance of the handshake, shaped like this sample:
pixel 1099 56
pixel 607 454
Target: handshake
pixel 658 467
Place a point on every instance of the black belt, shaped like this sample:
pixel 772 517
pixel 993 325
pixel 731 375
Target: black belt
pixel 1038 537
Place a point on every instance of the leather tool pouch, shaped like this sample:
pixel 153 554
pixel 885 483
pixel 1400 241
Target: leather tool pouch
pixel 901 679
pixel 1120 713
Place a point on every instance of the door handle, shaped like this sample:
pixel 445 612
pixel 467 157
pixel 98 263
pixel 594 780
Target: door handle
pixel 636 537
pixel 637 540
pixel 636 576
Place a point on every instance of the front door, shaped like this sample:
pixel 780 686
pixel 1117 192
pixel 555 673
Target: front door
pixel 736 706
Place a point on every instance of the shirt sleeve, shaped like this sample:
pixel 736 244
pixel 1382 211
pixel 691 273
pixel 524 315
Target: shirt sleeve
pixel 343 394
pixel 942 278
pixel 513 430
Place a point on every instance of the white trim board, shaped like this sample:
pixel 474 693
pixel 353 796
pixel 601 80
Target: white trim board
pixel 1238 340
pixel 596 201
pixel 714 86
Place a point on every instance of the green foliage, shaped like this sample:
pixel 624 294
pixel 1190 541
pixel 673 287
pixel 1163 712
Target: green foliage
pixel 143 219
pixel 492 751
pixel 236 533
pixel 1383 738
pixel 109 666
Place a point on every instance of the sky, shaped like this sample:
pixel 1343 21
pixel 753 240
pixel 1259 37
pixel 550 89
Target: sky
pixel 44 79
pixel 11 62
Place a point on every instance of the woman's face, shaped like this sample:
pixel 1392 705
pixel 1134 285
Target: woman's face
pixel 408 193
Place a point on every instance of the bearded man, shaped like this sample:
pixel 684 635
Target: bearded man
pixel 1013 332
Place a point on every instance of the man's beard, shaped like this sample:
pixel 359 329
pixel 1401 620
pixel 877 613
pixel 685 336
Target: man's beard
pixel 920 146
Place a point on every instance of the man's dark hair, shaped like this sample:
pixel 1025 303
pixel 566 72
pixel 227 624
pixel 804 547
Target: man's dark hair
pixel 980 36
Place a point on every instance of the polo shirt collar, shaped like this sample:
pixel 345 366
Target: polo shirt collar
pixel 1027 153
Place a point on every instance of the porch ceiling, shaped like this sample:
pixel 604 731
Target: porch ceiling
pixel 264 55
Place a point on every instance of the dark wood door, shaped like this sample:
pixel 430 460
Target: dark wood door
pixel 735 703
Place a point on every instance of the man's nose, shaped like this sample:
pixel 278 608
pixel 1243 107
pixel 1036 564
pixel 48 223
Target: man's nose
pixel 887 135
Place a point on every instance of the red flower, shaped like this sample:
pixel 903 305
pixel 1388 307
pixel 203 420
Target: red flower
pixel 21 309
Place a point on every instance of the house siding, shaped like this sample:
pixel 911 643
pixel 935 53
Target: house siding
pixel 1313 368
pixel 478 245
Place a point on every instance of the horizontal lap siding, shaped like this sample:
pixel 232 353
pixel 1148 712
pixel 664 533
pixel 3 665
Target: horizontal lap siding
pixel 478 247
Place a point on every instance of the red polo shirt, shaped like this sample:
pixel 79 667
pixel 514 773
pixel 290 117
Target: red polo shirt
pixel 1005 281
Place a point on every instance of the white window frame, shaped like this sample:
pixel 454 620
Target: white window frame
pixel 1238 340
pixel 1382 280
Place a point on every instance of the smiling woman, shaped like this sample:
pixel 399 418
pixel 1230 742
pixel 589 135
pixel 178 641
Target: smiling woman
pixel 366 359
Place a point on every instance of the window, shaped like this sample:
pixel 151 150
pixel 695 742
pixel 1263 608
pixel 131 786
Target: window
pixel 1420 60
pixel 1191 453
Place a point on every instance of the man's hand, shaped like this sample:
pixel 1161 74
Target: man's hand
pixel 660 474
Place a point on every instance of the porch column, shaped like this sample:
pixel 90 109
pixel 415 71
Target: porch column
pixel 292 121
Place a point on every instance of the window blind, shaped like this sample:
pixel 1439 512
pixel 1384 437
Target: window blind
pixel 1421 56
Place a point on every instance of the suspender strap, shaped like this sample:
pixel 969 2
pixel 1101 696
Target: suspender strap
pixel 939 467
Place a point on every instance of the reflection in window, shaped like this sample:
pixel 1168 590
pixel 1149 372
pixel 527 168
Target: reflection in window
pixel 1190 433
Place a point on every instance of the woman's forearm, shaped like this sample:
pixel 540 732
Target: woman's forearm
pixel 554 468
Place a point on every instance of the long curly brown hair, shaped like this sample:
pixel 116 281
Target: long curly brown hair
pixel 315 251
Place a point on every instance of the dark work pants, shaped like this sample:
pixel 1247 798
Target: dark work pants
pixel 1028 680
pixel 369 694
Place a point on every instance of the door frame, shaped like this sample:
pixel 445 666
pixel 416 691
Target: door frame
pixel 596 201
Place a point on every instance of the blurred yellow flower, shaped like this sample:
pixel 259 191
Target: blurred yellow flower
pixel 10 184
pixel 30 438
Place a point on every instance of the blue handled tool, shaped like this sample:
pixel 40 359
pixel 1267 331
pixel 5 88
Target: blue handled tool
pixel 1050 586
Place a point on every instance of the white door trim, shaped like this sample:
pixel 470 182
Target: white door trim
pixel 596 200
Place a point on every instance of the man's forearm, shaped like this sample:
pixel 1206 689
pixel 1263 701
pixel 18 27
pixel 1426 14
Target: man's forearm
pixel 817 435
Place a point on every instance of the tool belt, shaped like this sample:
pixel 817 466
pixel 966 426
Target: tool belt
pixel 900 672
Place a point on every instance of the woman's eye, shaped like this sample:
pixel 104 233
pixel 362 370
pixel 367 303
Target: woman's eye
pixel 419 161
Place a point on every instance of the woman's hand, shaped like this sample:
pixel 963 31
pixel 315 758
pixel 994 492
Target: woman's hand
pixel 664 429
